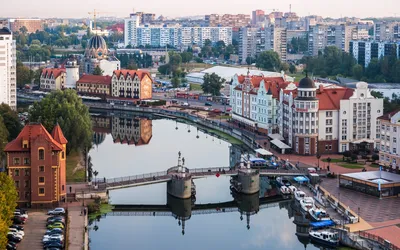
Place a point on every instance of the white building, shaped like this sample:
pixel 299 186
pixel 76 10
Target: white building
pixel 72 74
pixel 8 82
pixel 52 79
pixel 389 146
pixel 276 40
pixel 365 51
pixel 130 30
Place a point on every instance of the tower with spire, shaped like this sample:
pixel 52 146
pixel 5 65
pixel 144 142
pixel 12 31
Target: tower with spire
pixel 61 171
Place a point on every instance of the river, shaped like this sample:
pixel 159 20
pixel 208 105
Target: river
pixel 129 145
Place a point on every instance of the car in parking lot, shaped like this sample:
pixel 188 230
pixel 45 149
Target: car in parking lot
pixel 57 211
pixel 19 220
pixel 16 231
pixel 61 220
pixel 14 238
pixel 208 104
pixel 53 244
pixel 56 225
pixel 54 231
pixel 18 227
pixel 11 246
pixel 56 237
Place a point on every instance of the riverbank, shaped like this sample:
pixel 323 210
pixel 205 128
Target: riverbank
pixel 75 170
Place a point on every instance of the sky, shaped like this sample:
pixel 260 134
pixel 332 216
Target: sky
pixel 179 8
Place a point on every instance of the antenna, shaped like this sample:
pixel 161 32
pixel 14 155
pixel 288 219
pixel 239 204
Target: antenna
pixel 290 8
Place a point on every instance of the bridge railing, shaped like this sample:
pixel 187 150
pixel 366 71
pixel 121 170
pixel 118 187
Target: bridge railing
pixel 209 170
pixel 156 175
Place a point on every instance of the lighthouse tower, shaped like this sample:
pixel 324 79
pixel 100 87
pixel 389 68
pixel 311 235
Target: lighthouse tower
pixel 72 72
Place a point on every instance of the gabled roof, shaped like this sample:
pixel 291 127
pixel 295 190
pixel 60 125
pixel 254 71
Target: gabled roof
pixel 31 132
pixel 132 73
pixel 56 72
pixel 95 79
pixel 272 84
pixel 329 98
pixel 388 116
pixel 58 135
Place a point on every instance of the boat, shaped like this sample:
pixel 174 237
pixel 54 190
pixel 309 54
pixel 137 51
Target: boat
pixel 306 204
pixel 292 189
pixel 325 237
pixel 318 214
pixel 299 195
pixel 283 182
pixel 284 190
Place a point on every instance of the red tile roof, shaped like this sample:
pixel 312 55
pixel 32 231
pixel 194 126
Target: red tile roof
pixel 273 83
pixel 132 73
pixel 58 135
pixel 95 79
pixel 388 116
pixel 329 98
pixel 56 72
pixel 31 132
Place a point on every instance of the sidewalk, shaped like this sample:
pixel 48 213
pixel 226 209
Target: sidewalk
pixel 77 238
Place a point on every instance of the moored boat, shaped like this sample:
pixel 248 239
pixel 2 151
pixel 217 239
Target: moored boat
pixel 299 195
pixel 306 204
pixel 325 237
pixel 283 181
pixel 319 214
pixel 284 190
pixel 292 189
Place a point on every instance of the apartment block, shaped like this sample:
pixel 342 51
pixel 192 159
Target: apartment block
pixel 8 76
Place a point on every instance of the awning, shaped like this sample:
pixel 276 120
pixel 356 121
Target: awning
pixel 322 224
pixel 301 179
pixel 363 140
pixel 280 144
pixel 262 151
pixel 243 120
pixel 276 136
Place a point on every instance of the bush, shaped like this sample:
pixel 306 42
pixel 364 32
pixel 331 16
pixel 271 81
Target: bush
pixel 347 154
pixel 375 157
pixel 93 207
pixel 354 157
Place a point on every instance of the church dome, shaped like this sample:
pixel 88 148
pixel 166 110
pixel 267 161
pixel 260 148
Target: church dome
pixel 306 83
pixel 96 48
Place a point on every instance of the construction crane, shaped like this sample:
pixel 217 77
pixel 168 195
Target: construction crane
pixel 95 13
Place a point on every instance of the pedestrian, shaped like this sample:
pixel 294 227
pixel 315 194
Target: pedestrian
pixel 84 211
pixel 70 189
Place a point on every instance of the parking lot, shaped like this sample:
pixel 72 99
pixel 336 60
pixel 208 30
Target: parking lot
pixel 34 230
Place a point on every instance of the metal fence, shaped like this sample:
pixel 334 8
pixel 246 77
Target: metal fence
pixel 378 239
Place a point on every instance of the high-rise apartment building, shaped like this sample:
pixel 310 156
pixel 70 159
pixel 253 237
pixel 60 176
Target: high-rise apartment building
pixel 387 31
pixel 276 40
pixel 130 30
pixel 227 20
pixel 8 81
pixel 248 44
pixel 31 25
pixel 365 51
pixel 317 39
pixel 257 16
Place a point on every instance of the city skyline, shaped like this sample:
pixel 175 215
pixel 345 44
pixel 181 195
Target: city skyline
pixel 329 8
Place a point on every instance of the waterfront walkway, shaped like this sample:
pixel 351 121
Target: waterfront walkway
pixel 77 234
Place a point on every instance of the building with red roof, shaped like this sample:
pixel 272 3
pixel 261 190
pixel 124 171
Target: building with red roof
pixel 94 85
pixel 36 161
pixel 131 85
pixel 52 79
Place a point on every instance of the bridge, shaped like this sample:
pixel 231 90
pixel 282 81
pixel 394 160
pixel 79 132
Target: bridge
pixel 163 176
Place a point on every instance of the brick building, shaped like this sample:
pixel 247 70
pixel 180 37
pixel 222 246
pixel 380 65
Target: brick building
pixel 36 161
pixel 31 25
pixel 94 85
pixel 52 79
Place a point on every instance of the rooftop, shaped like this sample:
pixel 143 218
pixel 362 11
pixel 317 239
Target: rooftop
pixel 382 177
pixel 5 31
pixel 95 79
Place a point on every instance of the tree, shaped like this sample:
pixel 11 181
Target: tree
pixel 292 69
pixel 3 139
pixel 132 66
pixel 186 57
pixel 23 75
pixel 66 108
pixel 8 203
pixel 357 71
pixel 175 81
pixel 268 60
pixel 212 84
pixel 98 71
pixel 164 69
pixel 23 30
pixel 11 121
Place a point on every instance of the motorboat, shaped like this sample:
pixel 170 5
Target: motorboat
pixel 283 181
pixel 292 189
pixel 318 214
pixel 306 204
pixel 325 237
pixel 299 195
pixel 284 190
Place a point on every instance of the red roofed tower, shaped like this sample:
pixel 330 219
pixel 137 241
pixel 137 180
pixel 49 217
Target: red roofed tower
pixel 58 136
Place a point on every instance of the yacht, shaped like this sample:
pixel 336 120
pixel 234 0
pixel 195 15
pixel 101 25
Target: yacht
pixel 306 204
pixel 283 181
pixel 325 237
pixel 292 189
pixel 299 195
pixel 318 214
pixel 284 190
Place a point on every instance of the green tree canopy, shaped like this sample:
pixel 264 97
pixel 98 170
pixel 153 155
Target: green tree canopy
pixel 23 75
pixel 11 121
pixel 269 60
pixel 66 108
pixel 98 71
pixel 186 57
pixel 3 139
pixel 8 203
pixel 175 81
pixel 212 84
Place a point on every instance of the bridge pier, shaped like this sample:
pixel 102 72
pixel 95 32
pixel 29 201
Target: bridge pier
pixel 249 180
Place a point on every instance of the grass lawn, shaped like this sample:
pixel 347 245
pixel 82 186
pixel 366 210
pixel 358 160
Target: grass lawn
pixel 374 165
pixel 333 160
pixel 72 162
pixel 297 76
pixel 351 165
pixel 195 87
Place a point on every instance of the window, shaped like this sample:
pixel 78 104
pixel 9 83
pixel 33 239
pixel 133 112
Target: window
pixel 328 130
pixel 329 114
pixel 328 121
pixel 394 129
pixel 17 184
pixel 16 172
pixel 394 151
pixel 27 172
pixel 41 154
pixel 329 137
pixel 394 139
pixel 41 168
pixel 41 191
pixel 16 161
pixel 27 161
pixel 27 184
pixel 41 180
pixel 306 140
pixel 26 195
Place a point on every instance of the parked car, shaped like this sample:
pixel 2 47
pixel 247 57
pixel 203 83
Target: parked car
pixel 14 230
pixel 56 237
pixel 185 104
pixel 19 220
pixel 217 111
pixel 54 231
pixel 21 212
pixel 53 244
pixel 18 227
pixel 56 225
pixel 57 211
pixel 13 238
pixel 11 246
pixel 55 220
pixel 208 104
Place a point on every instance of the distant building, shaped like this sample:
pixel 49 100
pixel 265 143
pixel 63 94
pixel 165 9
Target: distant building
pixel 97 54
pixel 131 131
pixel 389 145
pixel 365 51
pixel 276 40
pixel 36 161
pixel 257 16
pixel 72 74
pixel 8 61
pixel 32 25
pixel 130 30
pixel 131 85
pixel 227 20
pixel 249 41
pixel 387 31
pixel 94 85
pixel 52 79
